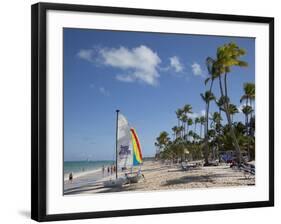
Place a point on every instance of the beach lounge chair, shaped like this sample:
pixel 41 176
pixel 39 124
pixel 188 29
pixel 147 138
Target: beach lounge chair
pixel 250 169
pixel 134 177
pixel 185 166
pixel 213 163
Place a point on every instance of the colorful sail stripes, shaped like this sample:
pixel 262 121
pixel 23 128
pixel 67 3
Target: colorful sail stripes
pixel 137 158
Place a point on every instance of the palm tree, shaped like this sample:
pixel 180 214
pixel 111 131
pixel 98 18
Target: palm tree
pixel 196 121
pixel 174 129
pixel 189 123
pixel 207 97
pixel 187 109
pixel 220 103
pixel 195 136
pixel 249 93
pixel 184 120
pixel 228 56
pixel 252 126
pixel 216 125
pixel 177 130
pixel 162 140
pixel 191 134
pixel 180 130
pixel 213 72
pixel 249 96
pixel 182 116
pixel 179 113
pixel 216 119
pixel 202 122
pixel 232 109
pixel 246 111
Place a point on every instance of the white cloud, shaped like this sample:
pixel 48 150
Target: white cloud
pixel 203 112
pixel 240 107
pixel 196 69
pixel 193 115
pixel 86 54
pixel 103 91
pixel 139 64
pixel 100 89
pixel 176 64
pixel 125 78
pixel 198 114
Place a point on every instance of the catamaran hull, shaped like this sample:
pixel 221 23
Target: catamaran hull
pixel 115 183
pixel 134 179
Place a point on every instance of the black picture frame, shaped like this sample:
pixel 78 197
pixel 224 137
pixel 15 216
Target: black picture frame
pixel 38 110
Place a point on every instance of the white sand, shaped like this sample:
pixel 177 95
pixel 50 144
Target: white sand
pixel 160 177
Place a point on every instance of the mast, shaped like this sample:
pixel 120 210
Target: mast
pixel 116 143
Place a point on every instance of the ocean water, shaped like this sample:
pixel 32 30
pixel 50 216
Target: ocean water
pixel 80 168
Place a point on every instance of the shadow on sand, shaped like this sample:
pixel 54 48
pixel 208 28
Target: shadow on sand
pixel 85 188
pixel 188 179
pixel 208 178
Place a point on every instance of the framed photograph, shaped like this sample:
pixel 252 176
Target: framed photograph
pixel 139 111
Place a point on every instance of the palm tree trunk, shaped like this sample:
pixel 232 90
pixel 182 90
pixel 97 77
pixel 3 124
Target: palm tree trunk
pixel 206 139
pixel 187 132
pixel 206 143
pixel 225 85
pixel 248 143
pixel 251 117
pixel 194 132
pixel 225 104
pixel 248 131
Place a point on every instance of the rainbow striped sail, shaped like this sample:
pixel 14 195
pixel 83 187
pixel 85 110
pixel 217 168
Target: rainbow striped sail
pixel 137 154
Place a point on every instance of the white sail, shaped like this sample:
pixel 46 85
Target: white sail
pixel 124 147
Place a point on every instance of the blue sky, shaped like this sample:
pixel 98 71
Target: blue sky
pixel 145 75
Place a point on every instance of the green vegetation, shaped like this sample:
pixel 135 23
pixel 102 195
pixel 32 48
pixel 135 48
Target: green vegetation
pixel 219 136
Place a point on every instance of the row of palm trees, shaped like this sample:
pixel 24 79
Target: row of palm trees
pixel 185 121
pixel 231 135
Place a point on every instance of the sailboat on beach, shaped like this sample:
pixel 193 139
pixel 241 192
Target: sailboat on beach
pixel 128 154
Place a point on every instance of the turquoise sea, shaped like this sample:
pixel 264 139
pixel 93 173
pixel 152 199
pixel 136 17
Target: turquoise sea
pixel 80 167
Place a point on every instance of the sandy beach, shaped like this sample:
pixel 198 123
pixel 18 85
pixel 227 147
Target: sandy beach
pixel 159 176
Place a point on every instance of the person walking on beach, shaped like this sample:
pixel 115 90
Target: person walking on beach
pixel 70 177
pixel 108 170
pixel 114 169
pixel 103 170
pixel 111 169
